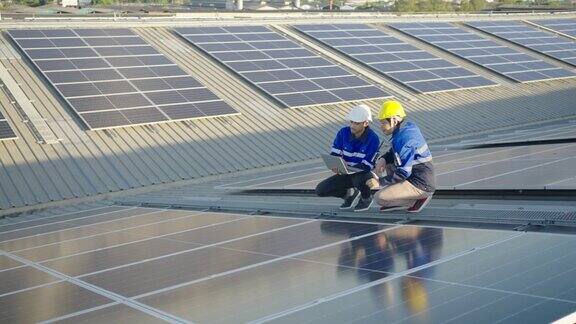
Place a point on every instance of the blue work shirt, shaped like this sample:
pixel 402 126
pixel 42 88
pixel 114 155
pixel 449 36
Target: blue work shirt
pixel 412 158
pixel 356 152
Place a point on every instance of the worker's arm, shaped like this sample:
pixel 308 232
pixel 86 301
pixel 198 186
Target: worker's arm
pixel 368 154
pixel 384 160
pixel 403 159
pixel 338 144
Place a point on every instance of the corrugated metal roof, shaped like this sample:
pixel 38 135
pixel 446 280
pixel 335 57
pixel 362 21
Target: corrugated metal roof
pixel 87 163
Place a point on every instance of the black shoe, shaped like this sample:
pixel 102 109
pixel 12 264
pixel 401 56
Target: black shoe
pixel 363 204
pixel 350 199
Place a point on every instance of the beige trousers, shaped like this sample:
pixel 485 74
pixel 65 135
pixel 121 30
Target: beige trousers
pixel 401 194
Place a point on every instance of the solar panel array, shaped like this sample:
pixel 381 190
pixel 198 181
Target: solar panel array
pixel 528 36
pixel 506 61
pixel 564 26
pixel 122 264
pixel 6 131
pixel 413 67
pixel 280 67
pixel 112 77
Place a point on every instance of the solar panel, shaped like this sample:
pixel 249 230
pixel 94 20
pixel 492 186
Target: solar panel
pixel 129 264
pixel 503 60
pixel 113 78
pixel 564 26
pixel 394 58
pixel 278 66
pixel 6 131
pixel 554 46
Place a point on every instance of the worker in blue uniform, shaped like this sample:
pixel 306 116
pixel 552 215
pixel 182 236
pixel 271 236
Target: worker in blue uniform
pixel 358 145
pixel 410 180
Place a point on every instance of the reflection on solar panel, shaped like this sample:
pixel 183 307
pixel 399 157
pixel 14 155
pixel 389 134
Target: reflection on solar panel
pixel 6 131
pixel 281 68
pixel 564 26
pixel 117 264
pixel 112 77
pixel 396 59
pixel 554 46
pixel 484 52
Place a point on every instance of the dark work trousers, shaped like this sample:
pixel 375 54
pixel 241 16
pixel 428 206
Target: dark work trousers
pixel 338 184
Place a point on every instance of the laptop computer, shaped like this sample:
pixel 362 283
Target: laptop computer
pixel 336 162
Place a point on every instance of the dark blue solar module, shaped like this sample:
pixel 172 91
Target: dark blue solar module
pixel 394 58
pixel 6 131
pixel 564 26
pixel 117 264
pixel 555 46
pixel 503 60
pixel 113 78
pixel 278 66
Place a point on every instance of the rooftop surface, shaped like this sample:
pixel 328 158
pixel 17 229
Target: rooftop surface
pixel 215 220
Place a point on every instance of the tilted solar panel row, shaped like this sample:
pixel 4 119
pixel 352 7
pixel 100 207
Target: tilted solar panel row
pixel 501 59
pixel 564 26
pixel 555 46
pixel 6 132
pixel 112 77
pixel 408 65
pixel 280 67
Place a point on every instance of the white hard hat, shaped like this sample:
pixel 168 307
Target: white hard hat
pixel 359 113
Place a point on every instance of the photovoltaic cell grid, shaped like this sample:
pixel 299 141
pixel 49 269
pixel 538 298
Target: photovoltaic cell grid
pixel 112 77
pixel 278 66
pixel 564 26
pixel 557 47
pixel 6 131
pixel 204 267
pixel 484 52
pixel 491 168
pixel 413 67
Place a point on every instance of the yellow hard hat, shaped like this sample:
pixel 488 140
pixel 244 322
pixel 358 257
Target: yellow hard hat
pixel 391 108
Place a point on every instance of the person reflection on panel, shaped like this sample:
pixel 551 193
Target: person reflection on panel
pixel 370 255
pixel 418 245
pixel 373 258
pixel 414 294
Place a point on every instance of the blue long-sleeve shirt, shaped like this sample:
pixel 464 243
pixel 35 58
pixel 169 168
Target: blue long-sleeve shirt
pixel 412 158
pixel 356 152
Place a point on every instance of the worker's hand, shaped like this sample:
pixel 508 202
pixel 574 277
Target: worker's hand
pixel 373 183
pixel 380 166
pixel 335 170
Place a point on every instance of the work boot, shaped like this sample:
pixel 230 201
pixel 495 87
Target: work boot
pixel 419 205
pixel 363 204
pixel 351 198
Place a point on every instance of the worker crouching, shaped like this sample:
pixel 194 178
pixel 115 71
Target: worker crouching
pixel 357 145
pixel 410 181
